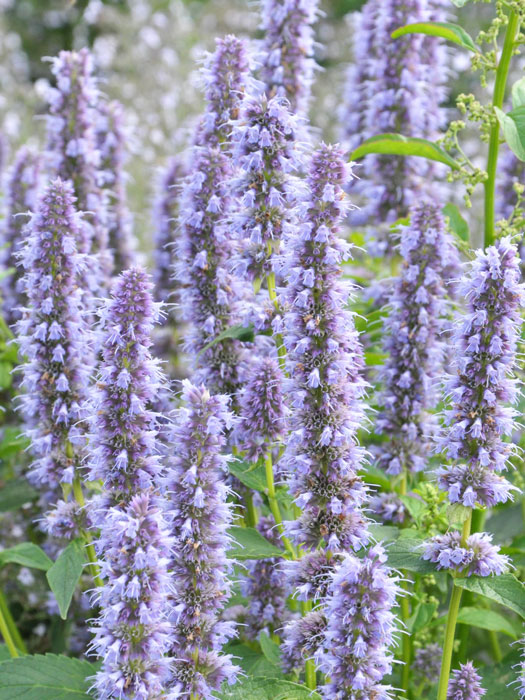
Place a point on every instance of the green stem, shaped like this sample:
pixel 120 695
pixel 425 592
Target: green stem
pixel 497 101
pixel 309 666
pixel 8 639
pixel 407 644
pixel 90 549
pixel 272 293
pixel 13 629
pixel 274 503
pixel 450 631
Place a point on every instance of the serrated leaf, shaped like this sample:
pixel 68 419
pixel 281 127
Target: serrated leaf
pixel 457 223
pixel 421 617
pixel 26 554
pixel 270 649
pixel 405 553
pixel 505 590
pixel 251 475
pixel 239 332
pixel 444 30
pixel 398 145
pixel 48 677
pixel 415 507
pixel 253 662
pixel 248 543
pixel 383 533
pixel 513 127
pixel 65 573
pixel 14 494
pixel 260 688
pixel 486 620
pixel 518 93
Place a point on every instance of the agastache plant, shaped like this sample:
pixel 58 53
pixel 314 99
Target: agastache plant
pixel 208 291
pixel 21 195
pixel 199 515
pixel 132 633
pixel 413 342
pixel 465 684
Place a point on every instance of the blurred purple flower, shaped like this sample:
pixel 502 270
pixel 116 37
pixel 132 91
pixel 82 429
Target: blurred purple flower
pixel 465 683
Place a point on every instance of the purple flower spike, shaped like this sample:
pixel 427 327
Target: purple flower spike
pixel 360 628
pixel 208 292
pixel 465 683
pixel 478 556
pixel 111 178
pixel 287 50
pixel 413 341
pixel 483 386
pixel 132 635
pixel 21 196
pixel 200 516
pixel 53 337
pixel 324 362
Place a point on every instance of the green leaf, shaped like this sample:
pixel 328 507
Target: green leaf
pixel 251 475
pixel 457 513
pixel 26 554
pixel 12 443
pixel 496 679
pixel 383 533
pixel 260 688
pixel 46 677
pixel 4 653
pixel 6 378
pixel 415 507
pixel 270 649
pixel 421 616
pixel 14 494
pixel 518 93
pixel 513 126
pixel 248 543
pixel 505 590
pixel 457 223
pixel 398 145
pixel 253 662
pixel 445 30
pixel 373 359
pixel 460 3
pixel 374 475
pixel 405 553
pixel 65 573
pixel 239 332
pixel 486 620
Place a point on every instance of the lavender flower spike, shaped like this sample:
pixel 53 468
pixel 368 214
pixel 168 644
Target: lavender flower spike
pixel 208 291
pixel 200 517
pixel 360 629
pixel 465 684
pixel 413 341
pixel 53 337
pixel 287 50
pixel 22 187
pixel 132 635
pixel 477 556
pixel 483 386
pixel 324 362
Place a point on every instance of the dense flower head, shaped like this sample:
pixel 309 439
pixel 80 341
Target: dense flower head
pixel 265 588
pixel 301 640
pixel 479 417
pixel 360 628
pixel 262 409
pixel 324 362
pixel 21 196
pixel 427 662
pixel 413 331
pixel 54 339
pixel 311 576
pixel 476 556
pixel 267 155
pixel 465 683
pixel 208 291
pixel 111 178
pixel 199 518
pixel 287 50
pixel 132 634
pixel 388 508
pixel 72 151
pixel 396 86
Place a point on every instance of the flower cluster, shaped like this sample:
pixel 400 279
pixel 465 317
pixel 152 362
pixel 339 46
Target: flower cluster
pixel 208 292
pixel 111 178
pixel 324 362
pixel 287 50
pixel 427 663
pixel 199 518
pixel 21 196
pixel 465 684
pixel 485 342
pixel 132 633
pixel 265 150
pixel 53 336
pixel 476 556
pixel 413 341
pixel 388 508
pixel 360 628
pixel 397 87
